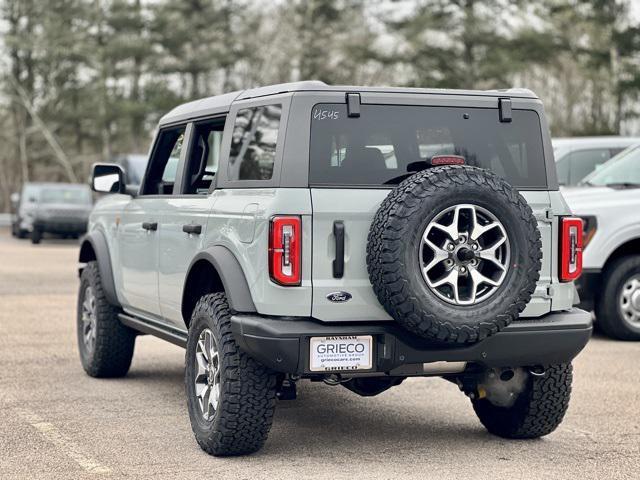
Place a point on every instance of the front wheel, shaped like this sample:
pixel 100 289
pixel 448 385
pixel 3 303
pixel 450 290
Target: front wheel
pixel 231 397
pixel 538 409
pixel 36 236
pixel 106 345
pixel 618 305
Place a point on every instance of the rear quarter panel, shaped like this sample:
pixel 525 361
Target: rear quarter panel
pixel 240 221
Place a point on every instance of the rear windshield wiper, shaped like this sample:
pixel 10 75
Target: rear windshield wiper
pixel 622 185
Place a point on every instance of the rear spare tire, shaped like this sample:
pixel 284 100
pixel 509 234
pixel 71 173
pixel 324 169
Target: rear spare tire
pixel 454 254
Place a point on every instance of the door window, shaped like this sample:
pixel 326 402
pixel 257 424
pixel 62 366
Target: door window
pixel 562 168
pixel 161 175
pixel 204 157
pixel 254 141
pixel 583 162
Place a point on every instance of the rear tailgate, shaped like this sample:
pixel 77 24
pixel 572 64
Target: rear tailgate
pixel 355 162
pixel 355 208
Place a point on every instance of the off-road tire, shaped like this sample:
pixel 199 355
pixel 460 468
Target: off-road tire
pixel 538 410
pixel 241 423
pixel 114 342
pixel 393 254
pixel 608 315
pixel 36 236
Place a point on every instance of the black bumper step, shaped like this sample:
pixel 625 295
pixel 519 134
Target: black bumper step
pixel 283 343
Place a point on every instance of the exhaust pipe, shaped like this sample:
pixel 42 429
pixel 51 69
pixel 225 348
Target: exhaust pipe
pixel 443 368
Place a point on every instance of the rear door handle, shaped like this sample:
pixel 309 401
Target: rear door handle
pixel 192 229
pixel 338 263
pixel 151 226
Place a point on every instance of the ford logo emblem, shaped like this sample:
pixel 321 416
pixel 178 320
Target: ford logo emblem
pixel 339 297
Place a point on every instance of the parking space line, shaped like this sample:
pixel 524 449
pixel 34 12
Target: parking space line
pixel 64 443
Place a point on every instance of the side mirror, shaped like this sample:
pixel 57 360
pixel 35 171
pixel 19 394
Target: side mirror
pixel 107 178
pixel 15 199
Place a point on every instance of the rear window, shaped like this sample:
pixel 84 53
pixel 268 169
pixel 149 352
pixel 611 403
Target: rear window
pixel 389 142
pixel 253 144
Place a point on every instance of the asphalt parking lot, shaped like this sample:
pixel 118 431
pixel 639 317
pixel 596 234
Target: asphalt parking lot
pixel 56 422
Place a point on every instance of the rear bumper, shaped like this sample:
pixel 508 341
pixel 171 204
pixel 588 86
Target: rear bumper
pixel 282 344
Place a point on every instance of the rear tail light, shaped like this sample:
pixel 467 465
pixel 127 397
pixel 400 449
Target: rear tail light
pixel 570 248
pixel 438 160
pixel 285 248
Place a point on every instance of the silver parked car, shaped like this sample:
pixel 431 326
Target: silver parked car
pixel 56 208
pixel 352 235
pixel 577 157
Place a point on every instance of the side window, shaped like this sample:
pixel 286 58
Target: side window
pixel 161 175
pixel 562 167
pixel 583 162
pixel 204 157
pixel 253 145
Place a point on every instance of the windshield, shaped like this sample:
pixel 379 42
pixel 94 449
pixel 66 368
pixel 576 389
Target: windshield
pixel 79 196
pixel 622 169
pixel 389 142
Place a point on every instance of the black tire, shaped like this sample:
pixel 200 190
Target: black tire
pixel 36 236
pixel 112 350
pixel 241 422
pixel 538 410
pixel 609 316
pixel 393 254
pixel 22 234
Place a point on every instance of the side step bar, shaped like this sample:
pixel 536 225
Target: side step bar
pixel 157 329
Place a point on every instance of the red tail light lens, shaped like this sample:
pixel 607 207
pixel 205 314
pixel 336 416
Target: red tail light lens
pixel 437 160
pixel 570 249
pixel 285 250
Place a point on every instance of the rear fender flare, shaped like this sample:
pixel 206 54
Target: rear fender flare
pixel 232 276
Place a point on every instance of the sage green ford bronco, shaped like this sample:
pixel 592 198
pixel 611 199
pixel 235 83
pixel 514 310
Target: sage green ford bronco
pixel 352 235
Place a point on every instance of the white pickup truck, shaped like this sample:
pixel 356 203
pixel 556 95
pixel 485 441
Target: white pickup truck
pixel 608 201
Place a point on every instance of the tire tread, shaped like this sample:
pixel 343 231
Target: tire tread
pixel 114 341
pixel 537 412
pixel 248 396
pixel 388 235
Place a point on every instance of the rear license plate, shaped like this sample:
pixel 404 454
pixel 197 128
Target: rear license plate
pixel 329 354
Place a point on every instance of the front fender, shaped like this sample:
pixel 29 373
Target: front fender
pixel 96 242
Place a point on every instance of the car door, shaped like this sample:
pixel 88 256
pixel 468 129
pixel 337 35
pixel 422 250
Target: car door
pixel 185 215
pixel 140 224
